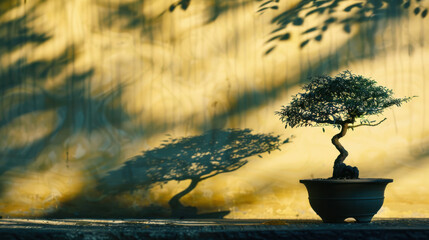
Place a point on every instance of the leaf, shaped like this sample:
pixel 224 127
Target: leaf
pixel 330 20
pixel 424 13
pixel 273 38
pixel 323 129
pixel 320 3
pixel 304 43
pixel 298 21
pixel 347 28
pixel 407 4
pixel 325 27
pixel 276 30
pixel 416 10
pixel 310 30
pixel 265 8
pixel 262 9
pixel 269 50
pixel 285 37
pixel 319 10
pixel 172 7
pixel 349 8
pixel 260 156
pixel 265 3
pixel 318 37
pixel 185 4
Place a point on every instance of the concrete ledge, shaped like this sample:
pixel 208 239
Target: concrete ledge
pixel 210 229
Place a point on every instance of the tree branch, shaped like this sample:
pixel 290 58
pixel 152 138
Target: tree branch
pixel 367 124
pixel 326 121
pixel 210 175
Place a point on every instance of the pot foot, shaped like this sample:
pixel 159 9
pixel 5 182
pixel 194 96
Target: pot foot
pixel 333 220
pixel 365 219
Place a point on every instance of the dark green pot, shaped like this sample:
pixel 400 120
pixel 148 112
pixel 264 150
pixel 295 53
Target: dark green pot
pixel 334 200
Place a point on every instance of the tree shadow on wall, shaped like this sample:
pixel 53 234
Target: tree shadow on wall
pixel 76 111
pixel 194 158
pixel 334 13
pixel 133 14
pixel 18 77
pixel 50 84
pixel 15 33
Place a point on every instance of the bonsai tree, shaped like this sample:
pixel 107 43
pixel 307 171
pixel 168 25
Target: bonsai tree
pixel 345 101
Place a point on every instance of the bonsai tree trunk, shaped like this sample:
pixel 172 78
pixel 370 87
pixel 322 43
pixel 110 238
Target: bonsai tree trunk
pixel 177 208
pixel 342 170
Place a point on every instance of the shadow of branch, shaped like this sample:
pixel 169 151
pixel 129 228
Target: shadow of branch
pixel 194 158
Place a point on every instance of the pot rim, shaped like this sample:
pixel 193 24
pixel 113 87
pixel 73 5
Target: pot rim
pixel 348 181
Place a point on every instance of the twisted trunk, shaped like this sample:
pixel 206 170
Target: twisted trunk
pixel 336 141
pixel 177 208
pixel 342 170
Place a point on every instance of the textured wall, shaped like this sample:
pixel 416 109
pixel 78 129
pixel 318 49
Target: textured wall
pixel 87 84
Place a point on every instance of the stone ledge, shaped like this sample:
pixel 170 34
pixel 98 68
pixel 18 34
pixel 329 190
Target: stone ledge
pixel 210 229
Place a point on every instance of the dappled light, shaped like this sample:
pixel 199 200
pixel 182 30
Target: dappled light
pixel 194 158
pixel 92 89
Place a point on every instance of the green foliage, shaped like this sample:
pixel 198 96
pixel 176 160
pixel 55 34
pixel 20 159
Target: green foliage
pixel 337 100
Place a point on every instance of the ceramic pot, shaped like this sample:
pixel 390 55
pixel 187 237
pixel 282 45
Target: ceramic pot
pixel 334 200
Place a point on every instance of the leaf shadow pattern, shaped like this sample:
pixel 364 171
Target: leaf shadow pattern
pixel 15 78
pixel 195 158
pixel 219 7
pixel 15 33
pixel 130 15
pixel 358 12
pixel 216 9
pixel 78 106
pixel 76 112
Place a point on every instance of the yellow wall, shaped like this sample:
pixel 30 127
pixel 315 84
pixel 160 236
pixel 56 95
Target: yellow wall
pixel 87 84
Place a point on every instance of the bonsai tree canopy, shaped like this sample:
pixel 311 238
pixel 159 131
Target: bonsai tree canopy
pixel 344 101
